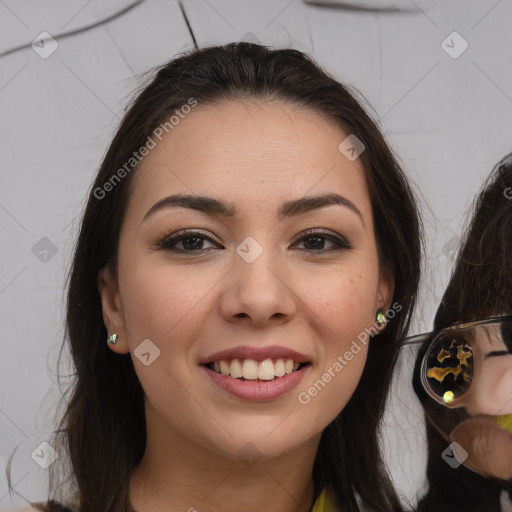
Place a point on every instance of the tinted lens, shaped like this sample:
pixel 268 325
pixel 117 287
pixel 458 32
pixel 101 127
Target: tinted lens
pixel 448 366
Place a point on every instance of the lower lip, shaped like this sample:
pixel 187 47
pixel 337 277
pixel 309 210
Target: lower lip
pixel 258 390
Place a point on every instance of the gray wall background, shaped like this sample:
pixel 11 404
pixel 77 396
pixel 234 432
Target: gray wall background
pixel 446 112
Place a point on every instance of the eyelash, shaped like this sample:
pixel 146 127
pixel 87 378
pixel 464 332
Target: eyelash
pixel 169 241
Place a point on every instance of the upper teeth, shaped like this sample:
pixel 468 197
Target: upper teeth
pixel 252 370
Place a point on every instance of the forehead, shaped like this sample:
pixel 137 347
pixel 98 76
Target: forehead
pixel 254 153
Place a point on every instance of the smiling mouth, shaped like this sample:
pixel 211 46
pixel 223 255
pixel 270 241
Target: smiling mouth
pixel 250 369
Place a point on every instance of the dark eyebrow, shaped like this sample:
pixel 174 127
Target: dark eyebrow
pixel 496 353
pixel 308 203
pixel 207 205
pixel 212 206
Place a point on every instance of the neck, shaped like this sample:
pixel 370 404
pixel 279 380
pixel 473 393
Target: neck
pixel 178 474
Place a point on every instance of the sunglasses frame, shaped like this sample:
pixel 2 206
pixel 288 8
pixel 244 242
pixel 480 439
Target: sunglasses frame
pixel 419 339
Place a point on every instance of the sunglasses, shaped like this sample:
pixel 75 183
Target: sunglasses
pixel 456 354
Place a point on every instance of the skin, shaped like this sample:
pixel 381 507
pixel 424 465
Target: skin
pixel 491 390
pixel 488 447
pixel 255 155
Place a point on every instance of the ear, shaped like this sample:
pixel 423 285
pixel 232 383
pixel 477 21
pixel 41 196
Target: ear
pixel 112 309
pixel 384 295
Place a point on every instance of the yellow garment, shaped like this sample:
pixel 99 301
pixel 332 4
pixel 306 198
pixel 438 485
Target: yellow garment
pixel 505 422
pixel 324 503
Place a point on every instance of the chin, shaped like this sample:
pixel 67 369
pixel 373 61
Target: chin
pixel 258 442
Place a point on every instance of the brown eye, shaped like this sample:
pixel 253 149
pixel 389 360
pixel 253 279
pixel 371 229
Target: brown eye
pixel 315 241
pixel 190 241
pixel 448 367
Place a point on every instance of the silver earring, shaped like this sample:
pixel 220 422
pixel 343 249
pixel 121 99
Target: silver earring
pixel 112 339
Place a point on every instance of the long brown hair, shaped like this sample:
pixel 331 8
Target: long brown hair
pixel 103 427
pixel 478 288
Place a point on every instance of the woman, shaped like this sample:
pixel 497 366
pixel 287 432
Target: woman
pixel 245 241
pixel 463 373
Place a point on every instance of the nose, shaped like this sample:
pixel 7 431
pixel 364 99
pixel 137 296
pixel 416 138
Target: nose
pixel 258 293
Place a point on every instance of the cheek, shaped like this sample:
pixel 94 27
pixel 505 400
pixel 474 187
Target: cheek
pixel 342 312
pixel 492 393
pixel 335 382
pixel 168 308
pixel 344 305
pixel 163 305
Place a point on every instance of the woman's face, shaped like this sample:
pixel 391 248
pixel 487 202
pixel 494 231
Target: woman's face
pixel 261 272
